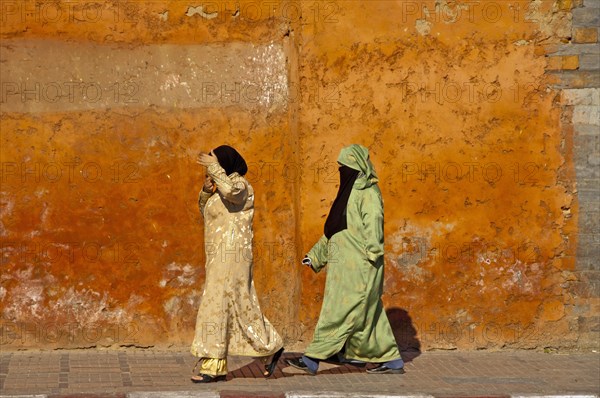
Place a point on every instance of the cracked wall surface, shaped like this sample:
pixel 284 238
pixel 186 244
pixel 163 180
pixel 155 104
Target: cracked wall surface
pixel 473 113
pixel 465 123
pixel 105 106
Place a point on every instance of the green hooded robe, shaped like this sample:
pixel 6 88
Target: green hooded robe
pixel 352 313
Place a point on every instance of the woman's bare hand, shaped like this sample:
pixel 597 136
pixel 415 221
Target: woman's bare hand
pixel 206 160
pixel 209 185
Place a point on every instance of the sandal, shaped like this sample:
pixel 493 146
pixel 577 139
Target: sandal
pixel 204 378
pixel 270 368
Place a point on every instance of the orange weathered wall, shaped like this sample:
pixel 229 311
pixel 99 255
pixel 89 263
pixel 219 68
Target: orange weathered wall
pixel 453 102
pixel 102 238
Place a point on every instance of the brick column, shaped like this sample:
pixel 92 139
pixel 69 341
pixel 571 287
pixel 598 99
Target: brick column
pixel 576 67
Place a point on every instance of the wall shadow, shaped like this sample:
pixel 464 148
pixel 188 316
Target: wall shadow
pixel 254 369
pixel 405 333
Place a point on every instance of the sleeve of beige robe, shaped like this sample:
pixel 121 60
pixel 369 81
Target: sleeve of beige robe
pixel 202 199
pixel 233 191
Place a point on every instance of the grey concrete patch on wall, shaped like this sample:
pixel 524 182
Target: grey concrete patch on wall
pixel 54 76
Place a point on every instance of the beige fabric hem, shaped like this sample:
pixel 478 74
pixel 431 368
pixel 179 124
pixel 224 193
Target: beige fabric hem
pixel 213 366
pixel 251 354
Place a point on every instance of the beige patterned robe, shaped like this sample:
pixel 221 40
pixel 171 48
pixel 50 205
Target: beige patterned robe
pixel 229 320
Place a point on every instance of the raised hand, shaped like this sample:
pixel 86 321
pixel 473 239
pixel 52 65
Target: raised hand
pixel 206 159
pixel 209 185
pixel 306 261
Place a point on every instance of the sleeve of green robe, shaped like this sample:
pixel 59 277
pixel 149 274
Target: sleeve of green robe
pixel 319 254
pixel 371 211
pixel 233 191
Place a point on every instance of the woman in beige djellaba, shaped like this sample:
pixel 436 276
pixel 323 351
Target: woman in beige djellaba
pixel 230 321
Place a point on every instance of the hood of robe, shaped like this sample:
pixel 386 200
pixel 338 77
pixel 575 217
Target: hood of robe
pixel 357 157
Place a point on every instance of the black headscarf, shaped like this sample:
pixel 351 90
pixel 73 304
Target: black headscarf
pixel 336 220
pixel 230 160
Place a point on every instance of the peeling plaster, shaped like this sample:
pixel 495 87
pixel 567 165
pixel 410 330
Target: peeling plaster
pixel 450 14
pixel 412 247
pixel 362 61
pixel 178 275
pixel 172 306
pixel 423 27
pixel 553 25
pixel 174 76
pixel 191 11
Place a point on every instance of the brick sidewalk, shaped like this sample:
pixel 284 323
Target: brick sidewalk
pixel 154 374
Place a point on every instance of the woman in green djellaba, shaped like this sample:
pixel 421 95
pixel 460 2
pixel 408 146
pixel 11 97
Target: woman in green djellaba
pixel 353 326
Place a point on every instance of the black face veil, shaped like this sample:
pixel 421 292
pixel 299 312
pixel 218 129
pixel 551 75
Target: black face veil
pixel 336 220
pixel 230 160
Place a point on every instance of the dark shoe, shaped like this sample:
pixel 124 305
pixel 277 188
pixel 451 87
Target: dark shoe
pixel 270 368
pixel 202 378
pixel 382 369
pixel 338 359
pixel 298 363
pixel 355 362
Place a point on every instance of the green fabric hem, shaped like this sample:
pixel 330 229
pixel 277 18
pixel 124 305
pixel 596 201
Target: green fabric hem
pixel 375 359
pixel 359 358
pixel 316 356
pixel 322 356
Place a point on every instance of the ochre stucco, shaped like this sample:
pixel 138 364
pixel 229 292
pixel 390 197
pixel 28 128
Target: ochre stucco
pixel 474 170
pixel 475 166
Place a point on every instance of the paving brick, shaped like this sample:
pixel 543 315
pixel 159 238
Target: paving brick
pixel 576 79
pixel 173 394
pixel 570 62
pixel 572 49
pixel 589 324
pixel 590 223
pixel 429 373
pixel 88 395
pixel 564 5
pixel 587 146
pixel 567 62
pixel 587 114
pixel 589 62
pixel 586 16
pixel 583 96
pixel 589 284
pixel 585 35
pixel 245 394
